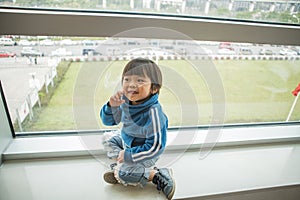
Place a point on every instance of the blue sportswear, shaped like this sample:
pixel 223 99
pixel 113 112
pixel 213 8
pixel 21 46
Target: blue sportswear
pixel 144 130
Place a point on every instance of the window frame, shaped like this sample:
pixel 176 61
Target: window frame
pixel 62 22
pixel 53 22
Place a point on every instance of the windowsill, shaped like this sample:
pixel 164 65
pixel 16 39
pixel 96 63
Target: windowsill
pixel 258 160
pixel 189 138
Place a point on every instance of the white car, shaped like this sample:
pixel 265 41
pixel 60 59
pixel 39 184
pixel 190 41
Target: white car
pixel 26 43
pixel 31 52
pixel 67 42
pixel 7 42
pixel 225 51
pixel 287 52
pixel 46 42
pixel 89 42
pixel 61 52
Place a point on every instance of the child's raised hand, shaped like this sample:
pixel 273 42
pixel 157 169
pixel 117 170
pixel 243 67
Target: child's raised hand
pixel 116 100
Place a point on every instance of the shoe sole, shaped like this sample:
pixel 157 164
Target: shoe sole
pixel 170 196
pixel 109 177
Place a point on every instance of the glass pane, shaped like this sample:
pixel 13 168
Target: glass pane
pixel 257 10
pixel 60 83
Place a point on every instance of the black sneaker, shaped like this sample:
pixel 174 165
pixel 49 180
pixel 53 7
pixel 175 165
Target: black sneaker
pixel 164 181
pixel 109 177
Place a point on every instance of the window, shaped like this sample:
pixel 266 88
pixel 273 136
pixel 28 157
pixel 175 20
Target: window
pixel 248 80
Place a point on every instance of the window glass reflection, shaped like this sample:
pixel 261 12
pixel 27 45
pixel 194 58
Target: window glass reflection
pixel 42 77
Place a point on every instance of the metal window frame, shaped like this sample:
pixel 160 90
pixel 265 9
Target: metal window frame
pixel 58 22
pixel 10 124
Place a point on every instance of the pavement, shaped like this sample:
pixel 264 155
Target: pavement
pixel 16 76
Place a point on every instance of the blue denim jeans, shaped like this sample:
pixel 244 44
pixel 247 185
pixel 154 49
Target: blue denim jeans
pixel 127 174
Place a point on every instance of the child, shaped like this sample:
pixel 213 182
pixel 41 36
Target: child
pixel 143 135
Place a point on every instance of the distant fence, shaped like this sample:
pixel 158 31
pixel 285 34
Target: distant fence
pixel 181 57
pixel 25 109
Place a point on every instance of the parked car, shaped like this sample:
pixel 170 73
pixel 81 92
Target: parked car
pixel 287 52
pixel 296 49
pixel 265 52
pixel 7 42
pixel 89 42
pixel 61 52
pixel 46 42
pixel 245 51
pixel 6 54
pixel 26 43
pixel 90 52
pixel 225 45
pixel 226 52
pixel 130 42
pixel 67 42
pixel 29 51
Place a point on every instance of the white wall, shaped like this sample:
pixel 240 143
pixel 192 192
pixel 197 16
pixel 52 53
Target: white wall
pixel 5 128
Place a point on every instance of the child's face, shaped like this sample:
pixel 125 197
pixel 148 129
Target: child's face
pixel 136 87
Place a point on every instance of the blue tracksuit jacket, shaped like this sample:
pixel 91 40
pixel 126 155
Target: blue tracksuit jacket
pixel 144 128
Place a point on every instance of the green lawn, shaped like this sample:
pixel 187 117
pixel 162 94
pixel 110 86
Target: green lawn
pixel 255 91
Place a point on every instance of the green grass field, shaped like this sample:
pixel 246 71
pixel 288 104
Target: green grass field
pixel 254 91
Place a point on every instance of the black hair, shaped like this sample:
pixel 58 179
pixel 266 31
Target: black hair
pixel 144 67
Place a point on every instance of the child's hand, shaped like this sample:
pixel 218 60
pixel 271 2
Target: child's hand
pixel 120 158
pixel 116 100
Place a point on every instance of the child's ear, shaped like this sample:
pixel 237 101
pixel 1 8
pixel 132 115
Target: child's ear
pixel 154 89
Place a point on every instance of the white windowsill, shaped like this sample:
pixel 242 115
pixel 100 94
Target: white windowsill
pixel 247 159
pixel 84 144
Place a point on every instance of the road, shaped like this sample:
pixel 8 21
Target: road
pixel 15 74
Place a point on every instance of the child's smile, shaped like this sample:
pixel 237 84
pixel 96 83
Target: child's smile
pixel 136 87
